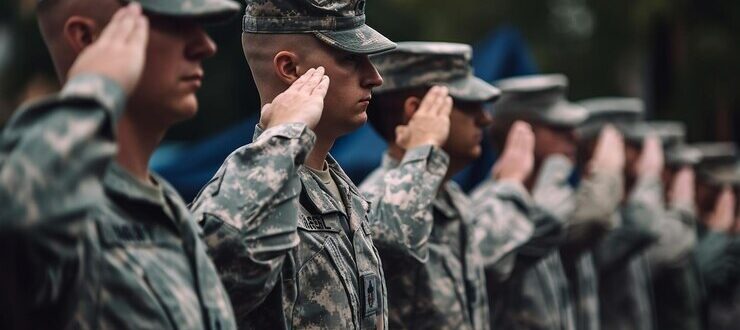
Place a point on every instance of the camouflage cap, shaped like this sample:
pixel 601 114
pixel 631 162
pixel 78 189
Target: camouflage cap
pixel 670 133
pixel 609 110
pixel 719 163
pixel 201 10
pixel 339 23
pixel 538 98
pixel 424 64
pixel 682 155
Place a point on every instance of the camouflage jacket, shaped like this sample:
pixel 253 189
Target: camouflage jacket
pixel 277 238
pixel 435 269
pixel 625 289
pixel 91 246
pixel 587 213
pixel 536 295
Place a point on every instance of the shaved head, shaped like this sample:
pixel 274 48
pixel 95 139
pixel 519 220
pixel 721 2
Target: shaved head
pixel 260 51
pixel 60 21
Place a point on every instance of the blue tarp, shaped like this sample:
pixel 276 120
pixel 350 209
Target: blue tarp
pixel 189 166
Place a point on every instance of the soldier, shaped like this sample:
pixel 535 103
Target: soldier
pixel 433 244
pixel 292 241
pixel 93 239
pixel 717 254
pixel 648 236
pixel 539 295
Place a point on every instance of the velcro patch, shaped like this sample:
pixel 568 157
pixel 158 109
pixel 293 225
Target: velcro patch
pixel 370 294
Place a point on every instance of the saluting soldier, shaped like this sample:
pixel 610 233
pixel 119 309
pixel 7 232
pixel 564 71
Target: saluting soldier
pixel 292 240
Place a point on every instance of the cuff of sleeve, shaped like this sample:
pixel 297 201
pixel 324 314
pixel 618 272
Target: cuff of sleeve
pixel 436 158
pixel 289 131
pixel 686 208
pixel 513 190
pixel 104 90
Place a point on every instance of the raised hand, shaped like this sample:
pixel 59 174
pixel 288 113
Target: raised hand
pixel 302 102
pixel 682 188
pixel 651 159
pixel 609 151
pixel 120 51
pixel 517 159
pixel 430 123
pixel 723 215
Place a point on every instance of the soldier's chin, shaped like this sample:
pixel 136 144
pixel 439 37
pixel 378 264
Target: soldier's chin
pixel 185 108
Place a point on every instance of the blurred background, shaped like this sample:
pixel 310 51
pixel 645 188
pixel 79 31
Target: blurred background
pixel 680 56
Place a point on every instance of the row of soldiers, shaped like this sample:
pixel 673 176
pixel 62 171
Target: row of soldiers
pixel 591 218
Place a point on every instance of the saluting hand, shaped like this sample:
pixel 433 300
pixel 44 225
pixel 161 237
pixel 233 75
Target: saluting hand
pixel 120 51
pixel 723 214
pixel 682 188
pixel 651 159
pixel 302 102
pixel 430 123
pixel 517 159
pixel 609 151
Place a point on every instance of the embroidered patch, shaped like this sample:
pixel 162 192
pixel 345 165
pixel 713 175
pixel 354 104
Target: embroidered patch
pixel 370 293
pixel 313 222
pixel 113 234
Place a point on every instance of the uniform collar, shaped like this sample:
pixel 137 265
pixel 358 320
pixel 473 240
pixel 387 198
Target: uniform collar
pixel 452 202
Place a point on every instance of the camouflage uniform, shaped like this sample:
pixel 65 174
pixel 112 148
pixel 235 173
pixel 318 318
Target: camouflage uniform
pixel 92 247
pixel 540 296
pixel 434 244
pixel 291 255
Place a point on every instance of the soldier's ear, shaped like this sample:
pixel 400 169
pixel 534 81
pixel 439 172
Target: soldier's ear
pixel 80 32
pixel 286 67
pixel 409 107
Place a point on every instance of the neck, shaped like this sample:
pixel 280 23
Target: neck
pixel 320 151
pixel 136 144
pixel 456 165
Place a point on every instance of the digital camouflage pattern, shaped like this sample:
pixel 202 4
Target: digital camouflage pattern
pixel 339 23
pixel 435 268
pixel 625 289
pixel 92 247
pixel 536 295
pixel 277 238
pixel 587 215
pixel 208 10
pixel 425 64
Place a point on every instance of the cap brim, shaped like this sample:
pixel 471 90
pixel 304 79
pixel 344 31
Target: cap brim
pixel 565 114
pixel 210 11
pixel 472 89
pixel 360 40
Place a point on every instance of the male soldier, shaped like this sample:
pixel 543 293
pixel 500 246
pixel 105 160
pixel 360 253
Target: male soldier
pixel 433 245
pixel 645 227
pixel 539 296
pixel 93 239
pixel 717 254
pixel 308 261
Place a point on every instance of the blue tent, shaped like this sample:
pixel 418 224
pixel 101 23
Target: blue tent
pixel 188 167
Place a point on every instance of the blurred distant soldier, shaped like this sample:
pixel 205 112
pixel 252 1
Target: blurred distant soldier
pixel 538 294
pixel 647 234
pixel 718 251
pixel 433 244
pixel 301 256
pixel 91 239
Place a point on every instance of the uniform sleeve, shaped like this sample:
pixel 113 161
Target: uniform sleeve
pixel 676 238
pixel 597 199
pixel 638 231
pixel 401 198
pixel 249 212
pixel 53 155
pixel 502 211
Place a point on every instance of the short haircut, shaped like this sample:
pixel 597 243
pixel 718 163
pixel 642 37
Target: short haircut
pixel 385 111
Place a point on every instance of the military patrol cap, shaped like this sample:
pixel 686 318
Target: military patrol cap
pixel 339 23
pixel 609 110
pixel 719 163
pixel 424 64
pixel 670 133
pixel 202 10
pixel 682 155
pixel 538 98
